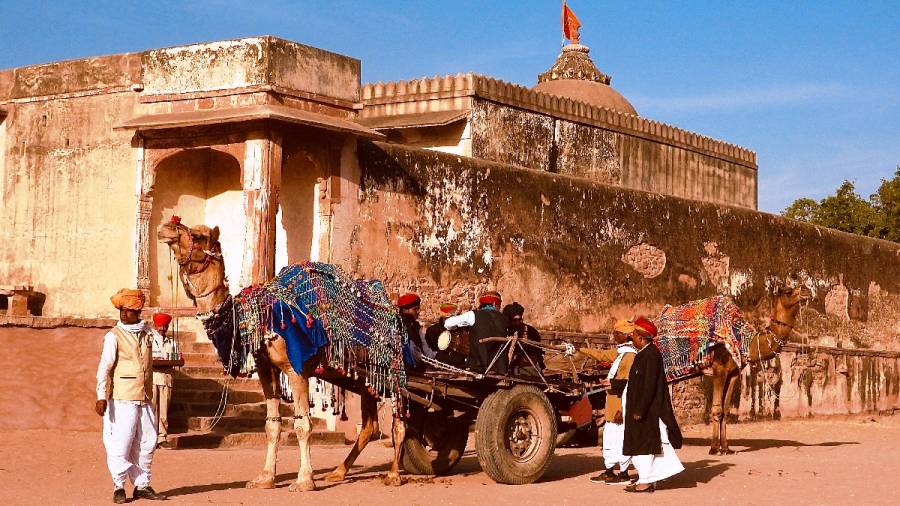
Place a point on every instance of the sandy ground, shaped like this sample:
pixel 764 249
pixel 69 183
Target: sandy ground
pixel 795 462
pixel 49 378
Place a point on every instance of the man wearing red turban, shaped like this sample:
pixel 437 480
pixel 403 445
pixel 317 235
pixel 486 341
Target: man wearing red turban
pixel 124 394
pixel 486 321
pixel 410 306
pixel 651 431
pixel 163 348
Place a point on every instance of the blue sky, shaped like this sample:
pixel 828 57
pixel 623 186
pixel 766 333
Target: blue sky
pixel 813 87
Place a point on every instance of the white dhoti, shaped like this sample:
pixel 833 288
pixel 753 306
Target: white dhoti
pixel 129 435
pixel 613 437
pixel 652 468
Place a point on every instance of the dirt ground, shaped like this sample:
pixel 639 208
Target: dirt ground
pixel 825 461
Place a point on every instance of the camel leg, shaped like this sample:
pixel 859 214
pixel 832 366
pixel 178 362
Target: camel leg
pixel 303 428
pixel 727 401
pixel 715 414
pixel 399 433
pixel 268 377
pixel 369 428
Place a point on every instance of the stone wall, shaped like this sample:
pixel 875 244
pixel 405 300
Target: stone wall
pixel 540 141
pixel 67 183
pixel 577 254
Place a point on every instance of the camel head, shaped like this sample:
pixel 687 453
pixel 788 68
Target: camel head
pixel 188 243
pixel 199 254
pixel 786 308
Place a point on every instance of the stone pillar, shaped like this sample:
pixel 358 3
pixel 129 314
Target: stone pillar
pixel 142 233
pixel 262 183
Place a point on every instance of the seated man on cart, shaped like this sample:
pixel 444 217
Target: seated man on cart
pixel 531 361
pixel 486 321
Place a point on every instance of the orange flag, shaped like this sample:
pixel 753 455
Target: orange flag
pixel 570 24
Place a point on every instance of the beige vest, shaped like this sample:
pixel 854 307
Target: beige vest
pixel 132 375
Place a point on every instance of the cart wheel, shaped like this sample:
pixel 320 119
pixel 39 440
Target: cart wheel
pixel 515 435
pixel 435 445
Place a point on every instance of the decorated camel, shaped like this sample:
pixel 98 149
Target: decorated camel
pixel 310 321
pixel 711 337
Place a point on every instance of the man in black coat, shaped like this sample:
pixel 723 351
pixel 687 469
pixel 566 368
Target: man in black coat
pixel 651 431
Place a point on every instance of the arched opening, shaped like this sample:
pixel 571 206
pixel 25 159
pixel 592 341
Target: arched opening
pixel 202 186
pixel 296 238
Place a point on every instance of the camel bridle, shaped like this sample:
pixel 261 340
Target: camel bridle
pixel 208 255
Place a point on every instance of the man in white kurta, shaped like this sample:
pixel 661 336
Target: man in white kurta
pixel 124 393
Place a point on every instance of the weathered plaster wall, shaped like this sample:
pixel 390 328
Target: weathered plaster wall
pixel 70 182
pixel 577 253
pixel 801 382
pixel 68 193
pixel 505 134
pixel 250 62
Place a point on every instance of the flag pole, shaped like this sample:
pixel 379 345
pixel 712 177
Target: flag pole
pixel 562 34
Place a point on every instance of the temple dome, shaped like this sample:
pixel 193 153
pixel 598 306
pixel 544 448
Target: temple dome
pixel 575 76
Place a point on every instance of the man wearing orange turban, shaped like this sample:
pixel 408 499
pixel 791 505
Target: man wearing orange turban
pixel 620 360
pixel 124 393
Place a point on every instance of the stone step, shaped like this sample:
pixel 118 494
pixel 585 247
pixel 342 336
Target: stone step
pixel 184 395
pixel 201 359
pixel 187 383
pixel 251 439
pixel 214 371
pixel 191 346
pixel 233 424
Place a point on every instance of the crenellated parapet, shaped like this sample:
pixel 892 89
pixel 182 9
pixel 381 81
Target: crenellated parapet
pixel 438 92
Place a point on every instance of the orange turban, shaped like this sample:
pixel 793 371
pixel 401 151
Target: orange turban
pixel 127 298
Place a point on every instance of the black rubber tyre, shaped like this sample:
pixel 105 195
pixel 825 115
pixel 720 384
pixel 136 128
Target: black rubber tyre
pixel 439 449
pixel 515 435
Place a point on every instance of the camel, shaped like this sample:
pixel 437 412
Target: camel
pixel 765 345
pixel 199 254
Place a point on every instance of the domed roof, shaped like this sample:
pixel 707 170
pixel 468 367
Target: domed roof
pixel 575 76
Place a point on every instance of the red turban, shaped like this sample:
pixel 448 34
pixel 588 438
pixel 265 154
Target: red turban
pixel 492 298
pixel 161 319
pixel 408 300
pixel 448 308
pixel 645 326
pixel 128 299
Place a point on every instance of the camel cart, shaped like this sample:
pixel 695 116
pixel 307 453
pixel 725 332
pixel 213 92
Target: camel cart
pixel 517 419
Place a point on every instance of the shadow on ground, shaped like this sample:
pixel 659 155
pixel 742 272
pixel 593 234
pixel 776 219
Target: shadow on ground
pixel 695 473
pixel 752 445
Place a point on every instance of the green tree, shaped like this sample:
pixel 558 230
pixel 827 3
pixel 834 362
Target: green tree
pixel 886 202
pixel 802 209
pixel 879 216
pixel 847 211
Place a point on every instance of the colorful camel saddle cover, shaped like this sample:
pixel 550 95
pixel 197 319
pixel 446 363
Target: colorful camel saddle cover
pixel 316 307
pixel 688 334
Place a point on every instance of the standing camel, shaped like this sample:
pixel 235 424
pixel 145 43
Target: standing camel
pixel 725 372
pixel 199 255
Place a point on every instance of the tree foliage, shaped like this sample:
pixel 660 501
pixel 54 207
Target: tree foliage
pixel 879 216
